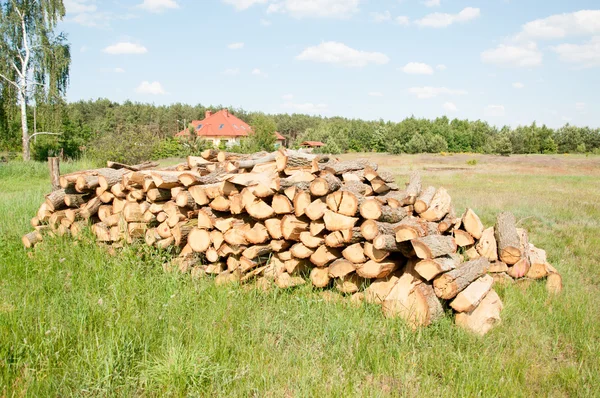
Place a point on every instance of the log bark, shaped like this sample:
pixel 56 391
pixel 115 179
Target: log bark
pixel 432 246
pixel 424 200
pixel 484 317
pixel 507 238
pixel 32 239
pixel 413 189
pixel 451 283
pixel 439 206
pixel 370 229
pixel 324 185
pixel 412 228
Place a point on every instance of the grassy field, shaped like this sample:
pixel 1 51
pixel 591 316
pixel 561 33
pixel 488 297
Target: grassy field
pixel 75 321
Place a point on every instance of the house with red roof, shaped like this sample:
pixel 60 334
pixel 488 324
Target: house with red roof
pixel 222 126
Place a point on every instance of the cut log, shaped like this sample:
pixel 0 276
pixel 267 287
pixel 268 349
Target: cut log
pixel 538 262
pixel 257 251
pixel 484 317
pixel 198 192
pixel 375 270
pixel 324 255
pixel 413 188
pixel 432 246
pixel 451 283
pixel 316 210
pixel 388 243
pixel 412 228
pixel 316 227
pixel 299 250
pixel 375 254
pixel 158 195
pixel 343 202
pixel 449 221
pixel 57 199
pixel 291 227
pixel 340 268
pixel 554 283
pixel 320 277
pixel 259 210
pixel 282 205
pixel 286 281
pixel 220 203
pixel 355 253
pixel 469 299
pixel 507 239
pixel 413 301
pixel 311 241
pixel 90 209
pixel 75 200
pixel 429 269
pixel 439 206
pixel 235 237
pixel 424 200
pixel 324 185
pixel 199 240
pixel 350 283
pixel 370 229
pixel 380 289
pixel 486 246
pixel 338 222
pixel 472 224
pixel 273 226
pixel 257 234
pixel 301 202
pixel 463 238
pixel 371 209
pixel 32 239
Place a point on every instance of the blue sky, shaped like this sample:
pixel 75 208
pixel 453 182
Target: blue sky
pixel 504 61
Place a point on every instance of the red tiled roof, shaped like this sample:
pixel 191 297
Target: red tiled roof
pixel 219 124
pixel 312 143
pixel 279 137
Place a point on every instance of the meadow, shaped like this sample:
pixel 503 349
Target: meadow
pixel 78 321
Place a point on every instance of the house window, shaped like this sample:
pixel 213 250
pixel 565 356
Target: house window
pixel 221 126
pixel 243 128
pixel 236 127
pixel 199 127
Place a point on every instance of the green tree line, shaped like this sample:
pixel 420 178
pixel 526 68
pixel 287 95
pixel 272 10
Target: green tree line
pixel 130 131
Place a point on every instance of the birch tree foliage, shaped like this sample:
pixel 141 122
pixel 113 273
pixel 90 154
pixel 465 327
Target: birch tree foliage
pixel 34 59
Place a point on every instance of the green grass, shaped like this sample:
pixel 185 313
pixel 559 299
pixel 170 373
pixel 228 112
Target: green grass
pixel 76 321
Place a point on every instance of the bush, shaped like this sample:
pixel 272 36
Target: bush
pixel 416 144
pixel 131 144
pixel 472 162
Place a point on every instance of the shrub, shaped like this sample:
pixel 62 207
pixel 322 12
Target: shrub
pixel 472 162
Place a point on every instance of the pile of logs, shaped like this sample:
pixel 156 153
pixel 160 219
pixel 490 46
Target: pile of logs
pixel 287 218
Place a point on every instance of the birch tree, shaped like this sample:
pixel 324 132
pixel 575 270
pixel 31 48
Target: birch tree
pixel 34 60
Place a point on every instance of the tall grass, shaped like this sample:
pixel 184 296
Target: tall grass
pixel 76 321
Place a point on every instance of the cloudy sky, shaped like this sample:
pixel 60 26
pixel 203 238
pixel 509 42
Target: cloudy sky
pixel 504 61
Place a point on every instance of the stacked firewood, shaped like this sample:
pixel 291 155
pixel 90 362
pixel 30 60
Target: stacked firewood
pixel 288 217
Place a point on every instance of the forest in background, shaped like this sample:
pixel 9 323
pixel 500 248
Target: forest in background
pixel 102 129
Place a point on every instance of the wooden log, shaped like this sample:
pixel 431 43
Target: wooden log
pixel 463 238
pixel 486 246
pixel 291 227
pixel 388 243
pixel 451 283
pixel 256 251
pixel 413 301
pixel 375 270
pixel 158 195
pixel 324 185
pixel 316 209
pixel 320 277
pixel 90 209
pixel 375 254
pixel 350 165
pixel 370 229
pixel 432 246
pixel 198 192
pixel 343 202
pixel 338 222
pixel 350 283
pixel 282 205
pixel 301 201
pixel 340 268
pixel 554 283
pixel 379 289
pixel 301 251
pixel 429 269
pixel 311 241
pixel 260 210
pixel 257 234
pixel 449 221
pixel 235 236
pixel 483 318
pixel 199 240
pixel 324 255
pixel 413 188
pixel 424 199
pixel 439 206
pixel 469 299
pixel 355 253
pixel 412 228
pixel 538 262
pixel 472 224
pixel 316 227
pixel 507 239
pixel 75 200
pixel 286 281
pixel 31 239
pixel 133 212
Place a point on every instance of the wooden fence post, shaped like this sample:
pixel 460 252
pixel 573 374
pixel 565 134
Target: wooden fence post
pixel 54 166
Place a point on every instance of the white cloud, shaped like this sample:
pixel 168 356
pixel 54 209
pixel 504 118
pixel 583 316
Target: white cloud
pixel 315 8
pixel 450 107
pixel 83 49
pixel 125 48
pixel 441 67
pixel 417 68
pixel 403 20
pixel 231 71
pixel 524 56
pixel 432 3
pixel 494 110
pixel 375 94
pixel 258 72
pixel 235 46
pixel 307 107
pixel 432 92
pixel 379 17
pixel 518 85
pixel 265 22
pixel 580 106
pixel 287 97
pixel 585 55
pixel 158 6
pixel 79 6
pixel 152 88
pixel 580 23
pixel 241 5
pixel 442 20
pixel 332 52
pixel 119 70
